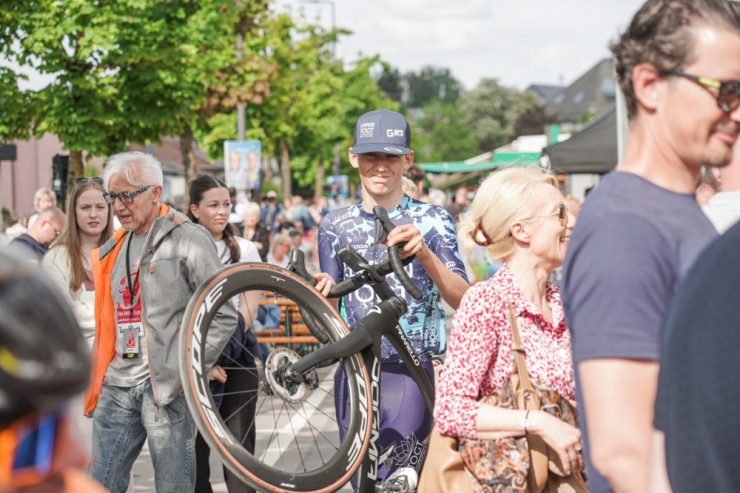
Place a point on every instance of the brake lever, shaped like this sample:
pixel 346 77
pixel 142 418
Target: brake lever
pixel 297 264
pixel 383 224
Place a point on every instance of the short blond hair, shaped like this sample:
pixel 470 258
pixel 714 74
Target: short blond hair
pixel 408 185
pixel 40 194
pixel 506 196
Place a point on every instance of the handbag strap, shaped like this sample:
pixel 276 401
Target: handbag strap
pixel 521 366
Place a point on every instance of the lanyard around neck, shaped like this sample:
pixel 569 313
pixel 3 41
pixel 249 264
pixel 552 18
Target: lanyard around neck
pixel 128 271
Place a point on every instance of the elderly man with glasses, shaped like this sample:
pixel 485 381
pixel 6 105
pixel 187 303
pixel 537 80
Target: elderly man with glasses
pixel 144 278
pixel 36 240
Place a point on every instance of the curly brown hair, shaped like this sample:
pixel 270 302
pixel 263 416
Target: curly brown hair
pixel 661 34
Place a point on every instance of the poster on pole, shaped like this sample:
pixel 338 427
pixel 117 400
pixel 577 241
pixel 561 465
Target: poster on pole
pixel 338 186
pixel 242 162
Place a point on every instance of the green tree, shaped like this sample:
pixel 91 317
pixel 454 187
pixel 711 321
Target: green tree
pixel 432 83
pixel 492 110
pixel 80 43
pixel 441 136
pixel 16 108
pixel 312 105
pixel 392 83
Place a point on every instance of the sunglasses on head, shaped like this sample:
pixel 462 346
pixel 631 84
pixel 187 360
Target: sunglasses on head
pixel 728 97
pixel 81 181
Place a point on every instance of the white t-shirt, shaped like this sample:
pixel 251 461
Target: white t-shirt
pixel 723 210
pixel 247 253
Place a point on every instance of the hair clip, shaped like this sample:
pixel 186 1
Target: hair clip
pixel 481 237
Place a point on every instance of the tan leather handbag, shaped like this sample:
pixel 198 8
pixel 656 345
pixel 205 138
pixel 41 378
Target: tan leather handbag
pixel 444 471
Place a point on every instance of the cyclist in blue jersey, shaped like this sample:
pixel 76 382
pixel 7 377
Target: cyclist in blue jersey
pixel 381 154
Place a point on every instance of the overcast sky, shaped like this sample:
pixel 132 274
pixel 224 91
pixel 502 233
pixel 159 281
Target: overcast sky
pixel 518 41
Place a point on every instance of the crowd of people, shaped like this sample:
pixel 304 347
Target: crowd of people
pixel 634 344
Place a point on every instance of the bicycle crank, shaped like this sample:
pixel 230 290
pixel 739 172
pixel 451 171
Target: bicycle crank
pixel 275 382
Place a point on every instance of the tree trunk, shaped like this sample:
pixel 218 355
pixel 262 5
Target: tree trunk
pixel 320 176
pixel 285 170
pixel 76 167
pixel 188 158
pixel 76 170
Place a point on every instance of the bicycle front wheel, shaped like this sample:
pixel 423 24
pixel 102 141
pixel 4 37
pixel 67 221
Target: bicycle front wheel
pixel 294 440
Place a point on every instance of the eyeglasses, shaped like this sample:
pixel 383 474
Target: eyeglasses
pixel 81 181
pixel 56 231
pixel 125 197
pixel 728 97
pixel 561 214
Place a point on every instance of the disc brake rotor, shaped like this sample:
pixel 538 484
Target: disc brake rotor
pixel 294 393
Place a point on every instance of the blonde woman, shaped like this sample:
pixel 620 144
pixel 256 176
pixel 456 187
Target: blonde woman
pixel 279 251
pixel 42 199
pixel 520 216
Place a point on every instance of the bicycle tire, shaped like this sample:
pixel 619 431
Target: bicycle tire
pixel 258 468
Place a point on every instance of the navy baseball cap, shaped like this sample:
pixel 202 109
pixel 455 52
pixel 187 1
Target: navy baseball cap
pixel 382 131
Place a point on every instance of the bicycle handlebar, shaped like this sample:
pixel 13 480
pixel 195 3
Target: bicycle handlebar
pixel 367 272
pixel 382 220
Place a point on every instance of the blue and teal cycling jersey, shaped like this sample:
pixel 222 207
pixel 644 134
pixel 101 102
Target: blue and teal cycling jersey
pixel 424 322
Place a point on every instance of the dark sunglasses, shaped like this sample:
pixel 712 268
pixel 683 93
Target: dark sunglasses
pixel 81 181
pixel 728 97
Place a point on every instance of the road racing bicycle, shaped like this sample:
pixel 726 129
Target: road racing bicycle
pixel 298 445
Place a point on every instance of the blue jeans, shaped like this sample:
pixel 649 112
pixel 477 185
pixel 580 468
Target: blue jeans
pixel 123 419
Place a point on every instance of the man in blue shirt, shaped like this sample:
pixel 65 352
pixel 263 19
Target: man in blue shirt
pixel 381 154
pixel 641 230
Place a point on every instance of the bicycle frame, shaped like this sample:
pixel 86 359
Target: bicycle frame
pixel 365 337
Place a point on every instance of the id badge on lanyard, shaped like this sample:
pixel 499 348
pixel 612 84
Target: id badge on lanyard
pixel 130 329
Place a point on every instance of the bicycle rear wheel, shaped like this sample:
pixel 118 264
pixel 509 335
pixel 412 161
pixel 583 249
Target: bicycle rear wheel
pixel 294 441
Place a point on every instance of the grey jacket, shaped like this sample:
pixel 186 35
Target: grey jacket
pixel 178 257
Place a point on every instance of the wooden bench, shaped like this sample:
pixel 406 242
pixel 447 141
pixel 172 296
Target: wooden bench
pixel 291 332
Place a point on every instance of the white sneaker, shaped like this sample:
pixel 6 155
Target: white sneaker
pixel 403 480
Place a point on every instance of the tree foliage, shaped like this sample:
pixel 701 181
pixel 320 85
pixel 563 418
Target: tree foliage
pixel 313 103
pixel 414 90
pixel 16 108
pixel 442 136
pixel 492 110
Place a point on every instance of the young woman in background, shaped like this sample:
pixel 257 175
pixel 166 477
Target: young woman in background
pixel 210 206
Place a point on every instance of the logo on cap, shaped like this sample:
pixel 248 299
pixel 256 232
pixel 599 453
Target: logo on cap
pixel 366 129
pixel 394 133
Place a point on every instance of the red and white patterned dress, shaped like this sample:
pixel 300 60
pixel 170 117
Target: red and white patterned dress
pixel 479 356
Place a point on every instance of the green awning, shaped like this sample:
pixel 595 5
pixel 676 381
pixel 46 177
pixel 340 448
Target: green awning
pixel 500 159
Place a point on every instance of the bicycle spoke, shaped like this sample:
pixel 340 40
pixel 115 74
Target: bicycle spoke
pixel 226 420
pixel 295 438
pixel 322 412
pixel 235 393
pixel 310 428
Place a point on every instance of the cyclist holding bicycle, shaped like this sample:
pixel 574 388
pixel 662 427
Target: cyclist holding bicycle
pixel 381 154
